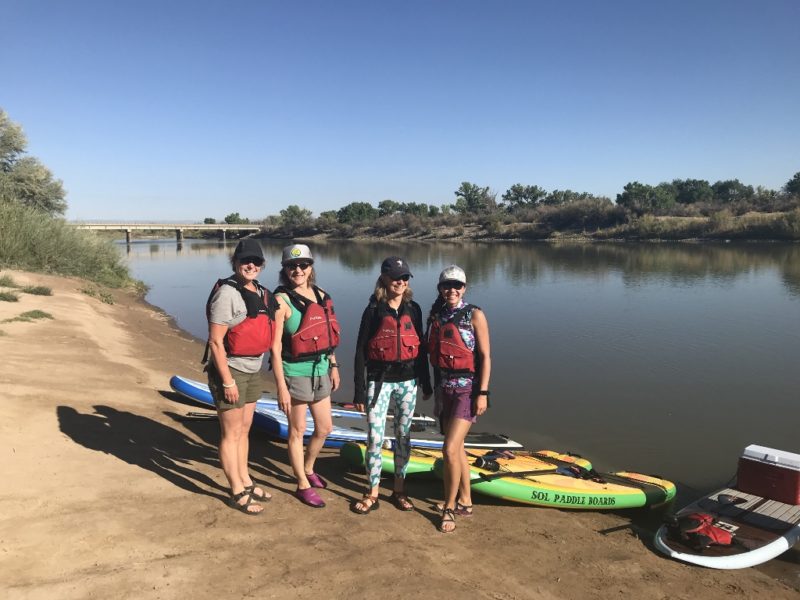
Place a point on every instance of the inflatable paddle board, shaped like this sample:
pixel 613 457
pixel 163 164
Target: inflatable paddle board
pixel 348 425
pixel 561 481
pixel 199 392
pixel 422 460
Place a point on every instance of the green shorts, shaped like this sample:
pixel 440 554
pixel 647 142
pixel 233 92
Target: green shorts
pixel 309 389
pixel 249 385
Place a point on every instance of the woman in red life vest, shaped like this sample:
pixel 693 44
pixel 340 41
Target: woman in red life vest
pixel 458 346
pixel 304 364
pixel 389 351
pixel 241 327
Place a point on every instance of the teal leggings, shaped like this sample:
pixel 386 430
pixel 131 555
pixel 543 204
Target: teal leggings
pixel 404 396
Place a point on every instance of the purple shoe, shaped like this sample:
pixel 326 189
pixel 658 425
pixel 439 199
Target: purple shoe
pixel 316 481
pixel 310 497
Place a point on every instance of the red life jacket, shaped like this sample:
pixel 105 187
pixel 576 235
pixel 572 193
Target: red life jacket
pixel 254 335
pixel 395 339
pixel 699 530
pixel 318 332
pixel 446 347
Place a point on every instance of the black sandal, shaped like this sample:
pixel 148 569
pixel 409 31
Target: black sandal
pixel 234 503
pixel 401 501
pixel 263 497
pixel 447 517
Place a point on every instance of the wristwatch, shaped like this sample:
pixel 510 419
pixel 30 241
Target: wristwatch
pixel 484 393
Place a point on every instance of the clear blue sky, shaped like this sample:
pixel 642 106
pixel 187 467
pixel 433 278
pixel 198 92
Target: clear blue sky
pixel 182 110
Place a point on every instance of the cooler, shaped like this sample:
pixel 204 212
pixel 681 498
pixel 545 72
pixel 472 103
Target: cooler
pixel 770 473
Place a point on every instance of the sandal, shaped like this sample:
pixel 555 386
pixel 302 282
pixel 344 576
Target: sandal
pixel 448 517
pixel 234 503
pixel 366 508
pixel 264 496
pixel 401 501
pixel 462 510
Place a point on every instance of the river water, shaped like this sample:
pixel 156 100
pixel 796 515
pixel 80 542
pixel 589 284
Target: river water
pixel 659 358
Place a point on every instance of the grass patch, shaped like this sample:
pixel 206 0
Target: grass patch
pixel 37 290
pixel 8 297
pixel 101 295
pixel 7 281
pixel 35 241
pixel 29 316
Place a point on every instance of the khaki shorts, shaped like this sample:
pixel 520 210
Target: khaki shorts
pixel 309 389
pixel 249 385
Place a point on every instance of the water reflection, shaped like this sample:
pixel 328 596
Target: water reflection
pixel 623 352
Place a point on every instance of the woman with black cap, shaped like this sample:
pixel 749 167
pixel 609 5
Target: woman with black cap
pixel 304 364
pixel 241 328
pixel 389 351
pixel 458 345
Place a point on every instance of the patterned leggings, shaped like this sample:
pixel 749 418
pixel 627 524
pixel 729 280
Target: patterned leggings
pixel 404 396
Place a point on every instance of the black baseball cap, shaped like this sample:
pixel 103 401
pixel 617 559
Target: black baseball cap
pixel 395 267
pixel 248 247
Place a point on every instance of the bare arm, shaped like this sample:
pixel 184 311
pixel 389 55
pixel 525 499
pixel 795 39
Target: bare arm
pixel 283 312
pixel 482 348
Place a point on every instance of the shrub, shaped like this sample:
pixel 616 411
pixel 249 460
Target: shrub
pixel 37 290
pixel 8 297
pixel 30 239
pixel 7 281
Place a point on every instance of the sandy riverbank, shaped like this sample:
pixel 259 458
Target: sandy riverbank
pixel 107 493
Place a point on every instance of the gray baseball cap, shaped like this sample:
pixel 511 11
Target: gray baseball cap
pixel 453 273
pixel 297 252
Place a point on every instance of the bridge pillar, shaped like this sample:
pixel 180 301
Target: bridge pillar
pixel 222 235
pixel 179 235
pixel 127 236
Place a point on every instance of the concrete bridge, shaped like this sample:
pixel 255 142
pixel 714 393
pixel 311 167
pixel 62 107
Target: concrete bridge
pixel 178 228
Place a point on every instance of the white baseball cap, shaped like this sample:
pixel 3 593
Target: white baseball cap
pixel 453 273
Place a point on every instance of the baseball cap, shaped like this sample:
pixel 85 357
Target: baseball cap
pixel 453 273
pixel 395 267
pixel 248 247
pixel 296 252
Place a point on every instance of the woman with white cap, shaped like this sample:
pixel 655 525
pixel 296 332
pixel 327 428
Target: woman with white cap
pixel 389 351
pixel 458 345
pixel 241 329
pixel 304 364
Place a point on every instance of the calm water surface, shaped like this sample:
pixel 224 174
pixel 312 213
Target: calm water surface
pixel 659 358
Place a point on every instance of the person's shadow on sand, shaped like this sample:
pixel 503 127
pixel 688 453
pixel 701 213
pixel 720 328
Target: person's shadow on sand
pixel 145 443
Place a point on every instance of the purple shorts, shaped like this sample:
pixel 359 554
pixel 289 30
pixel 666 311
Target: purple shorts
pixel 454 402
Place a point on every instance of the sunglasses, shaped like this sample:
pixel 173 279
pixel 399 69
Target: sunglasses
pixel 251 259
pixel 402 278
pixel 302 266
pixel 452 285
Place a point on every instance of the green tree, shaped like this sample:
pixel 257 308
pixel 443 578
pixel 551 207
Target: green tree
pixel 471 198
pixel 793 185
pixel 356 213
pixel 387 207
pixel 294 217
pixel 236 219
pixel 209 220
pixel 414 208
pixel 23 178
pixel 642 198
pixel 327 220
pixel 559 197
pixel 518 195
pixel 692 191
pixel 731 190
pixel 433 211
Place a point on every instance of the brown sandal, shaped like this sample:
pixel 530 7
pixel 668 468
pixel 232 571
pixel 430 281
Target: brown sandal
pixel 401 501
pixel 447 517
pixel 366 508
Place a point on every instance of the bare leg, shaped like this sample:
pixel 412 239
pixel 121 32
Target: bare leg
pixel 244 452
pixel 297 426
pixel 231 428
pixel 454 460
pixel 323 425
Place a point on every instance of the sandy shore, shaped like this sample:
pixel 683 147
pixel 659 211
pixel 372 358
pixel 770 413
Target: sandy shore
pixel 108 493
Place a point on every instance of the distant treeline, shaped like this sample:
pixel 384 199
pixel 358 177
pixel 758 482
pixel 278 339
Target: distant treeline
pixel 680 209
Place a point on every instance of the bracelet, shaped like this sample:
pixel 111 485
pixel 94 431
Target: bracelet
pixel 484 393
pixel 334 365
pixel 228 386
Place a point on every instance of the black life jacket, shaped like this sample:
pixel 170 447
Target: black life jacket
pixel 394 338
pixel 318 332
pixel 254 335
pixel 446 347
pixel 698 531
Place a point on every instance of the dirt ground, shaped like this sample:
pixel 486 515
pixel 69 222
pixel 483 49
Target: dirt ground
pixel 108 492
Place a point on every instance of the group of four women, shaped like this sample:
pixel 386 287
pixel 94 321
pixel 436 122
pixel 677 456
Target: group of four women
pixel 298 326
